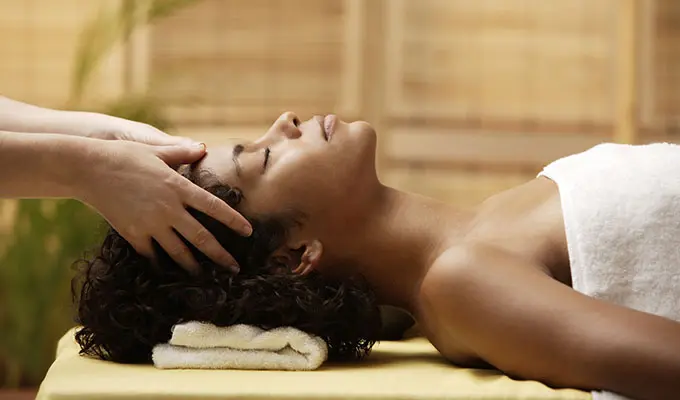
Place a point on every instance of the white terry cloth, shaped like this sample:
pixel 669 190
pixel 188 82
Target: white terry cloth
pixel 198 345
pixel 621 209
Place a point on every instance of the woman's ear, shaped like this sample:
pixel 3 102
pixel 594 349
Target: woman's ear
pixel 301 258
pixel 310 258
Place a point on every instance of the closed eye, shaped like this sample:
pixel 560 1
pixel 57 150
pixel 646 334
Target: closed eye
pixel 267 151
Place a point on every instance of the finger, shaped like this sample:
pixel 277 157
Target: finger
pixel 210 205
pixel 163 139
pixel 204 241
pixel 143 247
pixel 176 155
pixel 178 251
pixel 184 140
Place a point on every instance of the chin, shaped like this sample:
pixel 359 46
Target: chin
pixel 364 136
pixel 362 128
pixel 357 146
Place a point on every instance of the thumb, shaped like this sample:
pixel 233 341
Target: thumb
pixel 181 154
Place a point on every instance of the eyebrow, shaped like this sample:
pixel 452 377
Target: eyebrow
pixel 238 149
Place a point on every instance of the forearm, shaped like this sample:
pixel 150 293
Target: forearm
pixel 42 165
pixel 16 116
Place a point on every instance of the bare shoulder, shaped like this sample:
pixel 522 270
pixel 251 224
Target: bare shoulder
pixel 469 287
pixel 466 265
pixel 450 295
pixel 453 268
pixel 474 280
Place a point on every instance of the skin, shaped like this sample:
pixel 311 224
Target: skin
pixel 119 167
pixel 489 286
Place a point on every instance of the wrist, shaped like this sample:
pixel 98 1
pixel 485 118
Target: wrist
pixel 45 165
pixel 77 158
pixel 86 124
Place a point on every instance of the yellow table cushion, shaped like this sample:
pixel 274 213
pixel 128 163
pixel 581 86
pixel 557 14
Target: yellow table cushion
pixel 410 369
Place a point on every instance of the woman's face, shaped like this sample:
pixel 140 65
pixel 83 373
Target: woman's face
pixel 322 167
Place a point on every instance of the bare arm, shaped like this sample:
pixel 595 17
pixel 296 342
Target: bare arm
pixel 529 325
pixel 40 165
pixel 16 116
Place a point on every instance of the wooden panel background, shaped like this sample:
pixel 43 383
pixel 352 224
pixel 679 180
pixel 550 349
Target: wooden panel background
pixel 245 61
pixel 664 76
pixel 38 46
pixel 469 97
pixel 487 92
pixel 514 60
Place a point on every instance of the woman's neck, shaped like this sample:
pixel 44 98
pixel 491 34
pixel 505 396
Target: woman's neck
pixel 396 240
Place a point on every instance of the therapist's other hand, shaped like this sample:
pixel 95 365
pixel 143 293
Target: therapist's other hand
pixel 113 128
pixel 143 198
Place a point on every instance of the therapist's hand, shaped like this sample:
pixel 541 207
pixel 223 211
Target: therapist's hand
pixel 113 128
pixel 133 187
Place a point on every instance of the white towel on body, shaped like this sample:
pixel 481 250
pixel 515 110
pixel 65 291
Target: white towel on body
pixel 198 345
pixel 621 207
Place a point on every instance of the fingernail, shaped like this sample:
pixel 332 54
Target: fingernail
pixel 200 146
pixel 234 269
pixel 247 230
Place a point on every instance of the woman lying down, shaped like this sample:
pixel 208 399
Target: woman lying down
pixel 572 278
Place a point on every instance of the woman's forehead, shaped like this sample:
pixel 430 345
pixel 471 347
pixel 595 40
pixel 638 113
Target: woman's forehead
pixel 221 161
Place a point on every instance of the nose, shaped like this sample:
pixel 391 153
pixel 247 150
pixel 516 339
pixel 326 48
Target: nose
pixel 289 125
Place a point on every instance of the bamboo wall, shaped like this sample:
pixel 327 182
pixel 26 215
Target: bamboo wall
pixel 469 97
pixel 38 44
pixel 663 106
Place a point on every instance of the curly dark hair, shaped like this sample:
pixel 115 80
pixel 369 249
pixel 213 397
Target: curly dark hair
pixel 126 304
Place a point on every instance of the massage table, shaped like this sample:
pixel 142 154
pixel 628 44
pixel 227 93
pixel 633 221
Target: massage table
pixel 407 369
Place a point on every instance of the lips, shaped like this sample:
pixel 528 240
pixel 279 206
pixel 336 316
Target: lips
pixel 329 123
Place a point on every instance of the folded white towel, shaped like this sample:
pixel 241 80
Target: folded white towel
pixel 198 345
pixel 622 221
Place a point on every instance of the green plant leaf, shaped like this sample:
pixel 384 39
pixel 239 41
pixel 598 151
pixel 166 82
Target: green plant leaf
pixel 111 28
pixel 35 283
pixel 47 236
